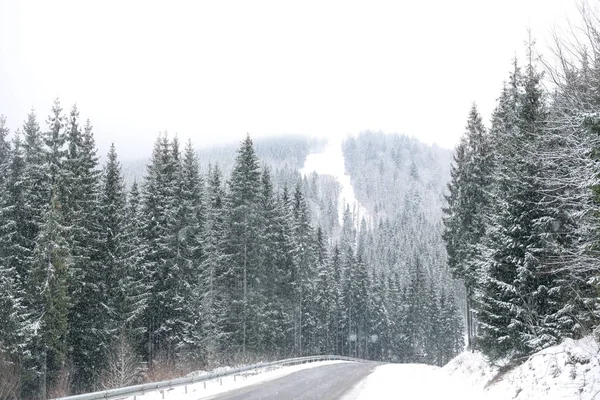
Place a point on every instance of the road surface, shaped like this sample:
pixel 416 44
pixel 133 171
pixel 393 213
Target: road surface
pixel 326 382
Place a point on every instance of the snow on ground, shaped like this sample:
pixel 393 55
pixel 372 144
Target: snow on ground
pixel 471 368
pixel 331 162
pixel 204 390
pixel 570 370
pixel 413 381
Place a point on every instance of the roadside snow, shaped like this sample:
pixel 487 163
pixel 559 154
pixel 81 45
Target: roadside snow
pixel 331 162
pixel 570 370
pixel 413 381
pixel 471 368
pixel 204 390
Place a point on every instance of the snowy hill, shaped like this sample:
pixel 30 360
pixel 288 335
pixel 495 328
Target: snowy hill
pixel 570 370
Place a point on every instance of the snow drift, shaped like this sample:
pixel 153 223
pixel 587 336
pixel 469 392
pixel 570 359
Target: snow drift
pixel 570 370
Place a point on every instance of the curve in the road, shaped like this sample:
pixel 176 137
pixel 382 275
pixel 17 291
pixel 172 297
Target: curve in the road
pixel 326 382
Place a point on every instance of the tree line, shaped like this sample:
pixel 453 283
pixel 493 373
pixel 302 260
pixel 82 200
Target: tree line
pixel 522 215
pixel 103 285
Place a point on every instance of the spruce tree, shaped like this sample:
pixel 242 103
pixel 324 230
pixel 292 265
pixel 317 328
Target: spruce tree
pixel 48 299
pixel 54 140
pixel 514 300
pixel 4 150
pixel 187 231
pixel 135 251
pixel 214 297
pixel 158 194
pixel 121 292
pixel 14 324
pixel 304 274
pixel 468 204
pixel 78 194
pixel 242 245
pixel 36 192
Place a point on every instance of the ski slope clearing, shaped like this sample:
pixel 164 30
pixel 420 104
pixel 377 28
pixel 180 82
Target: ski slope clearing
pixel 413 381
pixel 331 162
pixel 208 389
pixel 570 370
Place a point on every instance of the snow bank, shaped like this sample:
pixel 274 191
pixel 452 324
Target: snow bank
pixel 471 368
pixel 570 370
pixel 202 390
pixel 412 381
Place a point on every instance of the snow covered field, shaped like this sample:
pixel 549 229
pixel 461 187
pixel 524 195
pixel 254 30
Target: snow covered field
pixel 331 162
pixel 204 390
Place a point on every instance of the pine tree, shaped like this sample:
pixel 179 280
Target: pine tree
pixel 134 257
pixel 515 289
pixel 166 262
pixel 450 338
pixel 379 335
pixel 4 150
pixel 304 274
pixel 78 193
pixel 338 309
pixel 158 190
pixel 417 313
pixel 55 140
pixel 214 298
pixel 190 219
pixel 121 283
pixel 48 299
pixel 35 190
pixel 14 333
pixel 497 292
pixel 276 255
pixel 324 298
pixel 467 206
pixel 242 246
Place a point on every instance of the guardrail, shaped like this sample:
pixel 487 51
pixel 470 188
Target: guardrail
pixel 165 385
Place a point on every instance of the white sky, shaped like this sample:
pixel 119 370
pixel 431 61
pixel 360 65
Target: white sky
pixel 214 70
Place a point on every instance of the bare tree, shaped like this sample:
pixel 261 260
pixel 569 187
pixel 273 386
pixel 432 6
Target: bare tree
pixel 10 382
pixel 124 366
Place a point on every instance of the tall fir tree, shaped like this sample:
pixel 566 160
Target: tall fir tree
pixel 79 196
pixel 214 297
pixel 242 245
pixel 48 299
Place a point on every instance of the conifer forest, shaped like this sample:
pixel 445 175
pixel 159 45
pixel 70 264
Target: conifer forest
pixel 115 272
pixel 107 282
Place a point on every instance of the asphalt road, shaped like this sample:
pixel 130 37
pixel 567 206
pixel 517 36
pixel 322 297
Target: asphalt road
pixel 322 383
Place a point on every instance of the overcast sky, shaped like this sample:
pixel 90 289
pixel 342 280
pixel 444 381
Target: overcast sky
pixel 214 70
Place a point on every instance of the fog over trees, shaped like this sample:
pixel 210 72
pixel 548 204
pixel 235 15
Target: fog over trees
pixel 107 283
pixel 114 273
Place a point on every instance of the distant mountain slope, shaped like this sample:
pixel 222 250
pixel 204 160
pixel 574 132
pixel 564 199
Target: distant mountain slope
pixel 392 172
pixel 402 182
pixel 278 152
pixel 285 156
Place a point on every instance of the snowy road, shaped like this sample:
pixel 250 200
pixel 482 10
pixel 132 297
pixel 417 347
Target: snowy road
pixel 326 382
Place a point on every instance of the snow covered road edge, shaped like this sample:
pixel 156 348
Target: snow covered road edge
pixel 570 370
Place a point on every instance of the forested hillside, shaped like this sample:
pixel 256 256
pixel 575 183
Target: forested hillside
pixel 392 172
pixel 281 153
pixel 104 285
pixel 402 183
